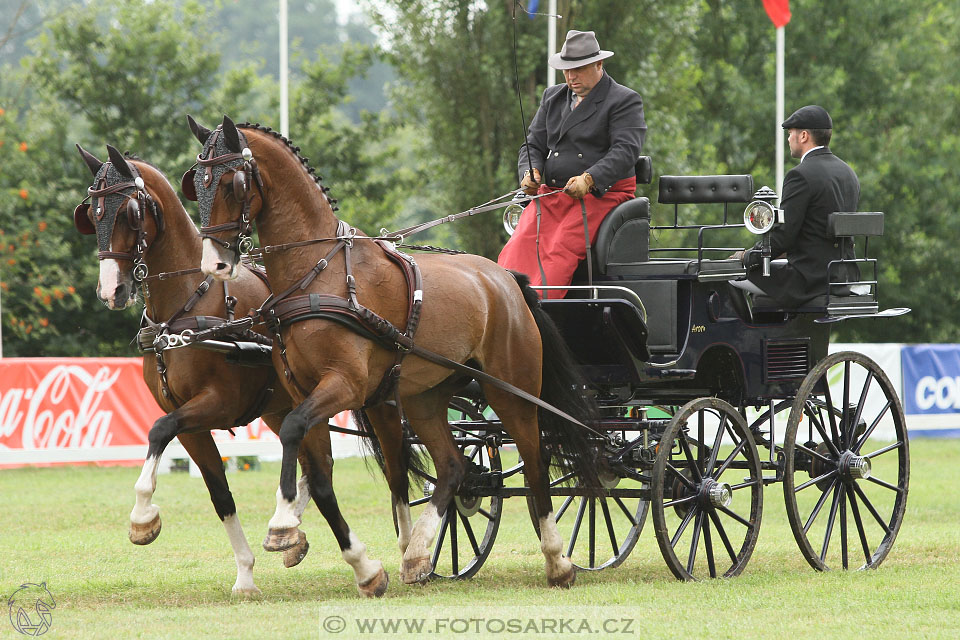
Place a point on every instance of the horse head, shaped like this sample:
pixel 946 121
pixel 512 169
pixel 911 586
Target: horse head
pixel 227 207
pixel 124 214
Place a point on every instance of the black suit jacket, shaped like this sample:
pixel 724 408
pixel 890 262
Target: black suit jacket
pixel 603 135
pixel 820 185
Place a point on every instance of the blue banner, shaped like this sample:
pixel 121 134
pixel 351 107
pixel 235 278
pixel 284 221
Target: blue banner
pixel 931 378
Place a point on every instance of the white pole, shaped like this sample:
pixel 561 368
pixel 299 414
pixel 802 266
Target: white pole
pixel 284 106
pixel 552 41
pixel 779 131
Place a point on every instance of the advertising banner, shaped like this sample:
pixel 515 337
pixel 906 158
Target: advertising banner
pixel 931 389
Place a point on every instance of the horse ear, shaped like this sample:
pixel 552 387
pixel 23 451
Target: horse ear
pixel 230 135
pixel 199 131
pixel 92 163
pixel 119 162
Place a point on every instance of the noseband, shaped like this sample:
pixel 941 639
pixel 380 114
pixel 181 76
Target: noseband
pixel 135 205
pixel 244 166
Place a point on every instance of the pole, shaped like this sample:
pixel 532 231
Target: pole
pixel 779 130
pixel 284 106
pixel 552 42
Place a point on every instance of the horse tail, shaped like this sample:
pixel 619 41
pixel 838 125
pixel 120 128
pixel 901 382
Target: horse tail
pixel 566 445
pixel 417 461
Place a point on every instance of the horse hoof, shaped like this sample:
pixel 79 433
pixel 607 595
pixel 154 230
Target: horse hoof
pixel 281 539
pixel 145 533
pixel 416 571
pixel 565 581
pixel 247 592
pixel 296 553
pixel 376 586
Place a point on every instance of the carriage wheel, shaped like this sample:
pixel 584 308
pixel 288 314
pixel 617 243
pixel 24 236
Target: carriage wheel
pixel 846 464
pixel 707 491
pixel 469 525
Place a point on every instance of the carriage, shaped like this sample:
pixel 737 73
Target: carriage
pixel 706 395
pixel 691 378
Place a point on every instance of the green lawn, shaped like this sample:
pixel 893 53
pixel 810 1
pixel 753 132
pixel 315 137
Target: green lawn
pixel 68 527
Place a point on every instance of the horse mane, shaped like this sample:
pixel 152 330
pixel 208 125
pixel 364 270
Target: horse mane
pixel 296 152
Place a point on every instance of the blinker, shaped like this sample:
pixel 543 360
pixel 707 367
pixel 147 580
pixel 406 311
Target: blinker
pixel 81 220
pixel 133 213
pixel 240 184
pixel 187 187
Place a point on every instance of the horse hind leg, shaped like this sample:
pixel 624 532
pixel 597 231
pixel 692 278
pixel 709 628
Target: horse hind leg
pixel 317 462
pixel 385 422
pixel 428 418
pixel 203 450
pixel 519 419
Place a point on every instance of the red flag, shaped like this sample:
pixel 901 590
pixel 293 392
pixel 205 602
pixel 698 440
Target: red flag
pixel 779 11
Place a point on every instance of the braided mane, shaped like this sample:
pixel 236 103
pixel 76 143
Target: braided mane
pixel 296 151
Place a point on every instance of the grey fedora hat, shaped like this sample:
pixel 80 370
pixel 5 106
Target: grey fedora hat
pixel 579 49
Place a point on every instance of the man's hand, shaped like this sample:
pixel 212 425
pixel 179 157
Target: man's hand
pixel 531 184
pixel 578 186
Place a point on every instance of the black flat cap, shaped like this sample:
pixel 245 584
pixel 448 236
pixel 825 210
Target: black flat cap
pixel 809 117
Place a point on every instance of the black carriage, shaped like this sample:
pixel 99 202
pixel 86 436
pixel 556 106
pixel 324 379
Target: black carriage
pixel 706 395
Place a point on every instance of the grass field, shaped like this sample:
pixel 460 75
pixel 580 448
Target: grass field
pixel 68 527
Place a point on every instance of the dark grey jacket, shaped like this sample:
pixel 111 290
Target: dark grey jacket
pixel 603 135
pixel 820 185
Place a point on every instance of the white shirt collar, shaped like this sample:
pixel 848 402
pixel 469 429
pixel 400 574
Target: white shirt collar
pixel 814 149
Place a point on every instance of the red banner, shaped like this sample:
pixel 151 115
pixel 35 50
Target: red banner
pixel 56 410
pixel 779 11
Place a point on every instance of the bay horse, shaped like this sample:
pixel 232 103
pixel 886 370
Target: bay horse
pixel 341 354
pixel 144 233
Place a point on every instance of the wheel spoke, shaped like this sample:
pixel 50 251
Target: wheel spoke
pixel 563 508
pixel 486 514
pixel 837 488
pixel 729 459
pixel 832 414
pixel 860 530
pixel 716 446
pixel 685 445
pixel 737 517
pixel 818 425
pixel 559 481
pixel 440 537
pixel 683 478
pixel 454 547
pixel 816 509
pixel 419 501
pixel 694 542
pixel 470 535
pixel 623 507
pixel 880 452
pixel 812 481
pixel 683 525
pixel 678 501
pixel 846 403
pixel 723 536
pixel 744 485
pixel 873 425
pixel 811 452
pixel 576 527
pixel 592 528
pixel 861 404
pixel 844 558
pixel 887 485
pixel 708 547
pixel 610 532
pixel 869 505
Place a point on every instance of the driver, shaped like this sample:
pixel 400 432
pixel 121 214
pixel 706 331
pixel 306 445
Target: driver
pixel 585 138
pixel 819 185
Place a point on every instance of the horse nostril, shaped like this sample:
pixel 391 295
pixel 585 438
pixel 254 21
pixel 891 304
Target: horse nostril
pixel 222 266
pixel 120 293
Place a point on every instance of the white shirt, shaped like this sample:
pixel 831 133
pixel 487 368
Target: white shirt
pixel 814 149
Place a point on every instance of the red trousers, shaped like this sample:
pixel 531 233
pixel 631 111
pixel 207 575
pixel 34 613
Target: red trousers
pixel 562 240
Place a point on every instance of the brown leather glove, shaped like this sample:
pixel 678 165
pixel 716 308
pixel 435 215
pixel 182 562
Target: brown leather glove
pixel 530 185
pixel 578 186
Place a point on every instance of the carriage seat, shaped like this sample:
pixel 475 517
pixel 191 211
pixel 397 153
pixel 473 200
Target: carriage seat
pixel 624 235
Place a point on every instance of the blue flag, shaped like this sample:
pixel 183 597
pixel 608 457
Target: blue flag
pixel 532 7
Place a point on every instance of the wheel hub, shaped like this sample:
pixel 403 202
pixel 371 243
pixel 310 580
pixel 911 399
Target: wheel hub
pixel 854 467
pixel 467 506
pixel 716 494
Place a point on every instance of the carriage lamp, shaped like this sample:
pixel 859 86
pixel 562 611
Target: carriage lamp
pixel 759 217
pixel 511 214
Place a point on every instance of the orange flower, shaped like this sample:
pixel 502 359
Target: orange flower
pixel 44 322
pixel 47 299
pixel 29 328
pixel 58 294
pixel 42 225
pixel 11 262
pixel 4 286
pixel 2 111
pixel 24 194
pixel 71 290
pixel 37 292
pixel 23 146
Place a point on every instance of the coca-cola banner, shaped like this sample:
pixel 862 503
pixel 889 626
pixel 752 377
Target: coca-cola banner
pixel 81 410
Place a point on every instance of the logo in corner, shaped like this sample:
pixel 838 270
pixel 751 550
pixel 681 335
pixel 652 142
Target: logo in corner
pixel 30 607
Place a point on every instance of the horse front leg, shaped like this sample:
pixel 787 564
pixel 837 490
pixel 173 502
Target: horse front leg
pixel 145 521
pixel 203 450
pixel 385 422
pixel 295 554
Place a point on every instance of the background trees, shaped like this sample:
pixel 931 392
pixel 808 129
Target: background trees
pixel 416 116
